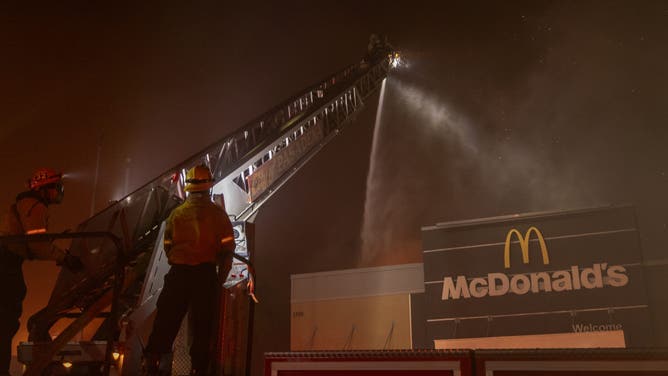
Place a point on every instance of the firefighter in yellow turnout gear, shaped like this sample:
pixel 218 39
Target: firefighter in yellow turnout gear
pixel 28 215
pixel 198 236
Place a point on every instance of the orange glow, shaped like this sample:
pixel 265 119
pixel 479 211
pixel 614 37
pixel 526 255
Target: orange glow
pixel 228 239
pixel 597 339
pixel 36 231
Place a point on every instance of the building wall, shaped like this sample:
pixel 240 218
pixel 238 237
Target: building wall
pixel 355 309
pixel 377 322
pixel 405 306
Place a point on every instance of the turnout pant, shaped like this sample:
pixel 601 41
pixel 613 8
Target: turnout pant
pixel 186 287
pixel 12 293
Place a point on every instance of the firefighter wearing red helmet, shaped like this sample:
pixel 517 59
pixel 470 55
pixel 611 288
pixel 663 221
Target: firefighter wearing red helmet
pixel 27 215
pixel 198 235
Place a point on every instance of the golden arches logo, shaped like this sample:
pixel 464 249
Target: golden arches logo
pixel 524 246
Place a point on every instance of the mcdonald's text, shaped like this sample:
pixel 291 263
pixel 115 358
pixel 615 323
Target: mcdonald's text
pixel 600 275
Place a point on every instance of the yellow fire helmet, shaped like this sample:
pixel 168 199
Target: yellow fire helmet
pixel 199 179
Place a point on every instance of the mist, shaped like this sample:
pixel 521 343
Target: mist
pixel 571 125
pixel 504 108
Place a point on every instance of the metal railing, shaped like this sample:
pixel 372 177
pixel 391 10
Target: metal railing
pixel 135 219
pixel 45 356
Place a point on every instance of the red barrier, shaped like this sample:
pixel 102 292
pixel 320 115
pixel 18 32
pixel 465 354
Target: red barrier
pixel 571 362
pixel 369 363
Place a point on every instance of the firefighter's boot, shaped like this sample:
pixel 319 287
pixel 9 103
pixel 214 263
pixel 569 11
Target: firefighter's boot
pixel 156 365
pixel 149 365
pixel 200 371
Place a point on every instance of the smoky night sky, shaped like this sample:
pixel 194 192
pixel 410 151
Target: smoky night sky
pixel 505 107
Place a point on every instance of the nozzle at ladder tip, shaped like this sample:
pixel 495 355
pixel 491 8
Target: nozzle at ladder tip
pixel 395 59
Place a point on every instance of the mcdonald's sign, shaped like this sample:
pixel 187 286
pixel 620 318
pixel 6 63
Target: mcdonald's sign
pixel 599 275
pixel 561 271
pixel 524 245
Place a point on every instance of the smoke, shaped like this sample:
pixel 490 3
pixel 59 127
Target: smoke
pixel 430 162
pixel 564 112
pixel 570 115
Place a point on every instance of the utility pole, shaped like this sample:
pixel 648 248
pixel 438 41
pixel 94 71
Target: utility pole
pixel 126 185
pixel 97 173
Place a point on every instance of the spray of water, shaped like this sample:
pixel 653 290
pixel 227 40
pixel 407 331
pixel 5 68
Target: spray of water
pixel 437 118
pixel 370 181
pixel 403 163
pixel 431 163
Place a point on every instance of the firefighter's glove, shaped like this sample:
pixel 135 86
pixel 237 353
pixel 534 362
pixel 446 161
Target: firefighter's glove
pixel 73 263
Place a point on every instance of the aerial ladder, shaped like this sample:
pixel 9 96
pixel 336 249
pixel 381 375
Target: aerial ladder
pixel 123 254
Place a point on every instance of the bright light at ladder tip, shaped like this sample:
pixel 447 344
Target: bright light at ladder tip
pixel 115 355
pixel 395 60
pixel 67 364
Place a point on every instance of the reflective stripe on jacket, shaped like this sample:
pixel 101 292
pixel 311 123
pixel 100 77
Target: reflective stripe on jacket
pixel 29 215
pixel 195 231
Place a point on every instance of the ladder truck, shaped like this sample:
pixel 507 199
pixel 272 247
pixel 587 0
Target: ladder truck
pixel 123 254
